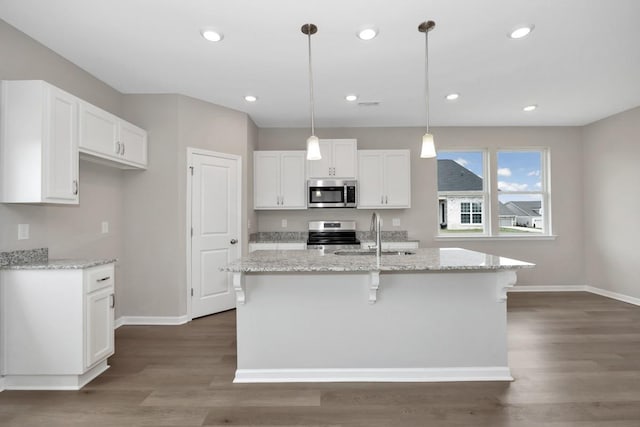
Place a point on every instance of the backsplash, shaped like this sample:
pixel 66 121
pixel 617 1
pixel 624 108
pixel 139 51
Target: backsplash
pixel 24 256
pixel 301 236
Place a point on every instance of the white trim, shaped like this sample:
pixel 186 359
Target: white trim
pixel 552 288
pixel 497 373
pixel 118 322
pixel 197 151
pixel 2 388
pixel 153 320
pixel 613 295
pixel 470 237
pixel 53 382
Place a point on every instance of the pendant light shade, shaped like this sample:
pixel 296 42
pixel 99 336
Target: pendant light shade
pixel 313 148
pixel 428 147
pixel 428 150
pixel 313 144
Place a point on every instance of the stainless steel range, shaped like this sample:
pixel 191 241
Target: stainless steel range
pixel 332 235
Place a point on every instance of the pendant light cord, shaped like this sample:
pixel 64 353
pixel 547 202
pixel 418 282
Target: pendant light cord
pixel 426 74
pixel 311 100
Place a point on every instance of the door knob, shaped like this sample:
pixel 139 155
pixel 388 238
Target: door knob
pixel 233 241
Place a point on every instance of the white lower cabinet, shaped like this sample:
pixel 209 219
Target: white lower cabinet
pixel 391 246
pixel 57 326
pixel 281 246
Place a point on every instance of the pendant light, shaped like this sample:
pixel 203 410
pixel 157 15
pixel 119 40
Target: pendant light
pixel 428 148
pixel 313 144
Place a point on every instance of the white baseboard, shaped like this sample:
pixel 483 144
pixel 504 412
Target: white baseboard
pixel 553 288
pixel 613 295
pixel 151 320
pixel 54 382
pixel 498 373
pixel 2 384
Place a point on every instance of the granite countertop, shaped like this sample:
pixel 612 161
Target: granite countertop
pixel 425 259
pixel 38 259
pixel 58 264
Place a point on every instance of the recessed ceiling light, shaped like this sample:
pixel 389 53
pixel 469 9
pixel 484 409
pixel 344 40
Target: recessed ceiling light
pixel 351 98
pixel 521 31
pixel 250 98
pixel 367 33
pixel 530 108
pixel 211 34
pixel 452 96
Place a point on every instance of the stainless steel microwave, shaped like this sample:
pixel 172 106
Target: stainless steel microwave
pixel 332 193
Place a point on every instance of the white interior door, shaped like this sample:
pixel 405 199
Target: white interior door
pixel 215 218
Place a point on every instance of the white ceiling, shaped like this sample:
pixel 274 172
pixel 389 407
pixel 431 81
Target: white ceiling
pixel 580 64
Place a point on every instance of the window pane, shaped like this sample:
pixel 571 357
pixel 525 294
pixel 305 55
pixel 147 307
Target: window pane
pixel 460 171
pixel 519 171
pixel 521 213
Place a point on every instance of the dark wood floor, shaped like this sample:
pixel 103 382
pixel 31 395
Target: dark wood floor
pixel 575 357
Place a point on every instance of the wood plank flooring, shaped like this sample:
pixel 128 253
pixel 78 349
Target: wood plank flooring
pixel 575 357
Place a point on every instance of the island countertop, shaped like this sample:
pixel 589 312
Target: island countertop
pixel 423 259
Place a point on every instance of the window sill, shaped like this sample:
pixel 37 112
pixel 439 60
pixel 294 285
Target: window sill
pixel 498 238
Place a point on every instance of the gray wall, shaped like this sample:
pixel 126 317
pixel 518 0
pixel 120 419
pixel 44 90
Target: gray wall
pixel 611 200
pixel 68 231
pixel 155 200
pixel 146 209
pixel 559 261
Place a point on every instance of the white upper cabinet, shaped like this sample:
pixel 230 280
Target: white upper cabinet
pixel 339 160
pixel 385 179
pixel 279 180
pixel 107 137
pixel 38 144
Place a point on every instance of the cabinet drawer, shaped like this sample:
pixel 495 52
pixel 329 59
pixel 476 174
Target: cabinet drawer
pixel 99 277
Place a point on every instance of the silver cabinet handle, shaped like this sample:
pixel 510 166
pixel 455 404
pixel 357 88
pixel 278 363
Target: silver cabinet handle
pixel 233 241
pixel 382 200
pixel 282 200
pixel 123 148
pixel 75 187
pixel 118 147
pixel 113 300
pixel 386 200
pixel 103 279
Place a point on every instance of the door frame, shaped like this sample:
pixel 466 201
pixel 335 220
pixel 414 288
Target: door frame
pixel 190 153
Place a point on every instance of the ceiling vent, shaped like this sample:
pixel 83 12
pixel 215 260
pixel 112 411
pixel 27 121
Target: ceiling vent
pixel 368 104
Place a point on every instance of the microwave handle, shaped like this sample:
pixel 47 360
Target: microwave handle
pixel 345 197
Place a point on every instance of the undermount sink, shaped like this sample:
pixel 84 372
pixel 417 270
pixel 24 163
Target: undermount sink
pixel 374 252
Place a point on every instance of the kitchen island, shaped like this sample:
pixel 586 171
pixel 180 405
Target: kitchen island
pixel 422 315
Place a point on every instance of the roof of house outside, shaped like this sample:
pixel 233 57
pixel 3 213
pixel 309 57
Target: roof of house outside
pixel 452 176
pixel 520 208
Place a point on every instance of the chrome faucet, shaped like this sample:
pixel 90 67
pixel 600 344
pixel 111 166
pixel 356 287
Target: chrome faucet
pixel 376 223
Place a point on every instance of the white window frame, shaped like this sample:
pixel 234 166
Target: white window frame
pixel 483 194
pixel 544 192
pixel 490 193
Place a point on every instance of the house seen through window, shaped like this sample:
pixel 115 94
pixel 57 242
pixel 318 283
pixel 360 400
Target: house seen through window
pixel 520 188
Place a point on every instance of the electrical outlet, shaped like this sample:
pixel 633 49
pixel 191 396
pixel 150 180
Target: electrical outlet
pixel 23 231
pixel 396 222
pixel 284 223
pixel 105 227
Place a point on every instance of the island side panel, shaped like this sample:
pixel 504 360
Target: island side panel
pixel 324 321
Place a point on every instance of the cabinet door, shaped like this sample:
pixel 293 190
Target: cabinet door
pixel 133 144
pixel 322 168
pixel 397 179
pixel 345 158
pixel 266 179
pixel 292 181
pixel 371 176
pixel 98 132
pixel 60 161
pixel 99 339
